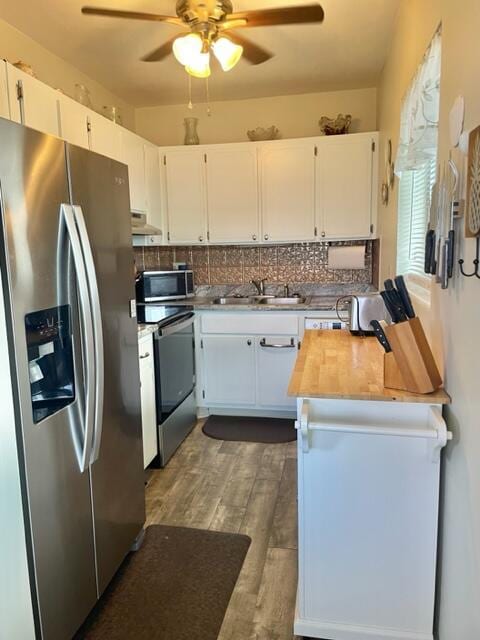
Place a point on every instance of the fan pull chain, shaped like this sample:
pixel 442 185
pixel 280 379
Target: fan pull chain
pixel 207 88
pixel 190 103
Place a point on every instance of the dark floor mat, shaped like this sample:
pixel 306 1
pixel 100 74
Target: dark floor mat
pixel 243 429
pixel 176 587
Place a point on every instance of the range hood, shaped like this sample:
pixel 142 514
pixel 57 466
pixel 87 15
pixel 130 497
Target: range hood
pixel 140 226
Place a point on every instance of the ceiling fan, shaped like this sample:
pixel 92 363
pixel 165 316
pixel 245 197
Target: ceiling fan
pixel 210 23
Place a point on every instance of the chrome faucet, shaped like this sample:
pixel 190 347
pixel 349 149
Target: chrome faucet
pixel 260 285
pixel 286 290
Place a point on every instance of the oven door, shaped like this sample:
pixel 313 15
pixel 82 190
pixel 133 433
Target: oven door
pixel 155 286
pixel 174 364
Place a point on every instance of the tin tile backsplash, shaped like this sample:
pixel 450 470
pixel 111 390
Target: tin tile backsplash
pixel 300 263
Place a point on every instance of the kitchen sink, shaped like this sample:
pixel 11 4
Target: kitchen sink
pixel 283 301
pixel 266 300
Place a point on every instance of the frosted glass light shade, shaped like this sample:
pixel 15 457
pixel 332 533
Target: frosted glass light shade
pixel 227 52
pixel 200 66
pixel 187 48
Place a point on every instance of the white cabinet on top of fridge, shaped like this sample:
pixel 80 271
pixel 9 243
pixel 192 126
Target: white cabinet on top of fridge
pixel 74 125
pixel 105 136
pixel 232 193
pixel 346 172
pixel 4 106
pixel 185 196
pixel 287 179
pixel 134 158
pixel 32 102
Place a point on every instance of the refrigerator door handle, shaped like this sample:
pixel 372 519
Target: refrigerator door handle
pixel 97 330
pixel 68 216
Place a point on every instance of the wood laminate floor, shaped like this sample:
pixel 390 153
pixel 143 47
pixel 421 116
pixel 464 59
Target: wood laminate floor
pixel 247 488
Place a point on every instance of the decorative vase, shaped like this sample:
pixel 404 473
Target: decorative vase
pixel 191 135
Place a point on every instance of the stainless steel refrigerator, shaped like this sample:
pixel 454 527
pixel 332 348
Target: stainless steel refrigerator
pixel 68 280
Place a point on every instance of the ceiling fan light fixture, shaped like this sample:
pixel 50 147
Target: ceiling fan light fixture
pixel 227 52
pixel 186 49
pixel 199 67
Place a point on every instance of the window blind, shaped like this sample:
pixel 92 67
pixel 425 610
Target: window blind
pixel 413 212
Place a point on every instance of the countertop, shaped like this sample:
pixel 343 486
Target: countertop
pixel 312 303
pixel 335 364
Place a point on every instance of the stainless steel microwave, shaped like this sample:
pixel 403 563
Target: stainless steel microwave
pixel 155 286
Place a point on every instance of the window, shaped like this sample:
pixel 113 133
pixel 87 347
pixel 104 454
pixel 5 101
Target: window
pixel 416 163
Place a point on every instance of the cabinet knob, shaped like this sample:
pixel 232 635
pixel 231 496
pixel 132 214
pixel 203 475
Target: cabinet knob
pixel 265 237
pixel 249 342
pixel 323 234
pixel 254 236
pixel 147 355
pixel 200 238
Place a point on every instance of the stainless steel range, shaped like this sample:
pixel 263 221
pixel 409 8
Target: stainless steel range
pixel 174 352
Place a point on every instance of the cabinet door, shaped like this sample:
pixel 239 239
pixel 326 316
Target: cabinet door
pixel 147 396
pixel 73 121
pixel 232 194
pixel 4 106
pixel 185 196
pixel 229 370
pixel 344 187
pixel 288 191
pixel 134 158
pixel 32 102
pixel 105 136
pixel 152 185
pixel 276 357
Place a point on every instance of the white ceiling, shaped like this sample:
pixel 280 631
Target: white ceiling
pixel 347 51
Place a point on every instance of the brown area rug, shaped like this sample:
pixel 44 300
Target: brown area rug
pixel 244 429
pixel 176 587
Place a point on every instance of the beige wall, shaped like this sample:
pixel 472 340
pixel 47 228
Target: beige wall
pixel 15 45
pixel 296 116
pixel 453 319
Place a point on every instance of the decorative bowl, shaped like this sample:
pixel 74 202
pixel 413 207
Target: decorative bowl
pixel 261 133
pixel 335 127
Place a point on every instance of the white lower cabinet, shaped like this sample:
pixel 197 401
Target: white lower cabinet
pixel 245 360
pixel 149 416
pixel 229 370
pixel 276 357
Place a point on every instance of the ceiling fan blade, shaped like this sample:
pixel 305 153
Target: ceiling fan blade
pixel 133 15
pixel 251 52
pixel 283 15
pixel 160 52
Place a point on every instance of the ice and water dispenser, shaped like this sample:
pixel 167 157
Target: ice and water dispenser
pixel 50 360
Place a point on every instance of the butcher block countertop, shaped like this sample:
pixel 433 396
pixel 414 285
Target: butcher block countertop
pixel 335 364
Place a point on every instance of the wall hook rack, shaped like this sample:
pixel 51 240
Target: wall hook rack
pixel 476 263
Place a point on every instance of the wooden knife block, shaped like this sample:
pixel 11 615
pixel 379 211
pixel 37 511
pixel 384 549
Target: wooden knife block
pixel 411 365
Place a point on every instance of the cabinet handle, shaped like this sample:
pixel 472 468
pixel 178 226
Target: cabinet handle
pixel 265 237
pixel 254 237
pixel 264 343
pixel 323 234
pixel 249 342
pixel 200 238
pixel 147 355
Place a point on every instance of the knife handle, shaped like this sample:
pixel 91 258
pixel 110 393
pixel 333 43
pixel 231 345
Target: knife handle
pixel 451 253
pixel 404 296
pixel 381 337
pixel 390 308
pixel 429 244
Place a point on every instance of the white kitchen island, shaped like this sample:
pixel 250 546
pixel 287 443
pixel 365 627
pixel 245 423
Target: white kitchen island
pixel 368 483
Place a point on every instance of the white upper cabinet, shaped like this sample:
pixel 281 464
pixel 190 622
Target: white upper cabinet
pixel 73 121
pixel 105 136
pixel 153 186
pixel 4 106
pixel 32 102
pixel 134 158
pixel 185 196
pixel 345 186
pixel 287 175
pixel 232 194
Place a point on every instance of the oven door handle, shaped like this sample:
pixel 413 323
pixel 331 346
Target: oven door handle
pixel 180 324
